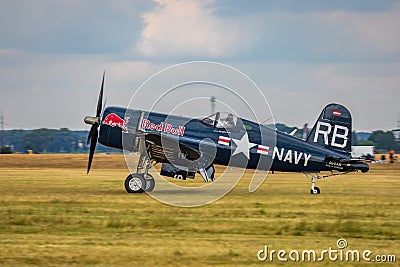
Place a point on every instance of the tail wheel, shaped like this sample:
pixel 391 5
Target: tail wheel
pixel 315 191
pixel 135 183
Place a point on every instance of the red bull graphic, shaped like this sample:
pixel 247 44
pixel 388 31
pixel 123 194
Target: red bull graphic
pixel 163 127
pixel 113 120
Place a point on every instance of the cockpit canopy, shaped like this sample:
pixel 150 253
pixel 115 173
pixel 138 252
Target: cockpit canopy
pixel 221 120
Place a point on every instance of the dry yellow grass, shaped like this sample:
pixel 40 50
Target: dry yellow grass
pixel 53 214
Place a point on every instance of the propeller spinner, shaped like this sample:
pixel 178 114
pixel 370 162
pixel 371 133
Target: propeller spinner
pixel 95 122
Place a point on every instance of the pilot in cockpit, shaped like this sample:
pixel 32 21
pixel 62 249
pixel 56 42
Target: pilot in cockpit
pixel 230 123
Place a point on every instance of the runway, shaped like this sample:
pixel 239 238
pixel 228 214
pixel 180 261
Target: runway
pixel 52 213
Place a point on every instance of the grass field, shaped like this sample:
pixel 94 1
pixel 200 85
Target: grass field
pixel 53 214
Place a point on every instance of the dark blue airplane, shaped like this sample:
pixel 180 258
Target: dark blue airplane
pixel 187 146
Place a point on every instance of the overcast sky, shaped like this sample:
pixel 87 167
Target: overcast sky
pixel 302 54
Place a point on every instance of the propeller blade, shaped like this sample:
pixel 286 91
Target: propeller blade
pixel 94 133
pixel 91 133
pixel 100 101
pixel 104 106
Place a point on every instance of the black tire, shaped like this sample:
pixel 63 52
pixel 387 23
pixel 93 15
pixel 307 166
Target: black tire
pixel 317 191
pixel 150 183
pixel 135 183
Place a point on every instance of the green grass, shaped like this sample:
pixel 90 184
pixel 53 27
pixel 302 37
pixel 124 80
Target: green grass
pixel 57 215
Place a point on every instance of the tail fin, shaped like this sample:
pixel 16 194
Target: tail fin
pixel 333 129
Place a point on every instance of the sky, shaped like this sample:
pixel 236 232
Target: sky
pixel 302 55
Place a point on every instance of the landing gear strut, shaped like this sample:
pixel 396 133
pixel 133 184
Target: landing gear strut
pixel 314 177
pixel 141 181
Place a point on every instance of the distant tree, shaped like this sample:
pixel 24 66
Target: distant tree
pixel 12 138
pixel 287 129
pixel 354 139
pixel 6 150
pixel 50 141
pixel 363 135
pixel 64 141
pixel 37 140
pixel 283 128
pixel 366 143
pixel 384 140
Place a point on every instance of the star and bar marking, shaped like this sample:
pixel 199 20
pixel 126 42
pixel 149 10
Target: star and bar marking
pixel 243 145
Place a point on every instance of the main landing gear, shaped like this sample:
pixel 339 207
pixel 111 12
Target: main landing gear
pixel 141 181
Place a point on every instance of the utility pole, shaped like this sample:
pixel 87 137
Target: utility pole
pixel 398 120
pixel 2 129
pixel 212 100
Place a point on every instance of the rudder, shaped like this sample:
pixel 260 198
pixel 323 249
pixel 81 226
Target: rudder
pixel 333 129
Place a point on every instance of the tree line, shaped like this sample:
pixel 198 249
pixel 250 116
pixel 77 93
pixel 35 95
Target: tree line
pixel 45 140
pixel 66 141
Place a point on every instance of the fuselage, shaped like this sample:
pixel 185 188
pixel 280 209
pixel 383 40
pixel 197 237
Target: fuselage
pixel 284 152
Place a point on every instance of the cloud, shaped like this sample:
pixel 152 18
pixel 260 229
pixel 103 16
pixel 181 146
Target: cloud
pixel 206 29
pixel 189 28
pixel 70 26
pixel 305 6
pixel 53 53
pixel 58 90
pixel 330 36
pixel 8 52
pixel 297 92
pixel 357 35
pixel 378 31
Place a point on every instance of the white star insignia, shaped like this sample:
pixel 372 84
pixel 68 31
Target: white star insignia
pixel 243 146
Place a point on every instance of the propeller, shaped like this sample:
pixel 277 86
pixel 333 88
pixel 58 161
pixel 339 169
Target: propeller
pixel 95 122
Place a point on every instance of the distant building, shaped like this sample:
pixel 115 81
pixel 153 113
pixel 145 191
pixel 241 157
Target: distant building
pixel 367 152
pixel 363 136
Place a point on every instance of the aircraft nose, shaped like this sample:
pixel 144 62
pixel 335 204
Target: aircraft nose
pixel 91 120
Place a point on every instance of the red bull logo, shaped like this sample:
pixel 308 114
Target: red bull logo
pixel 163 127
pixel 114 120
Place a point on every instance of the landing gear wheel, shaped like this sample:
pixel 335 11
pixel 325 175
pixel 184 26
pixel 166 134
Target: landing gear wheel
pixel 135 183
pixel 150 183
pixel 316 191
